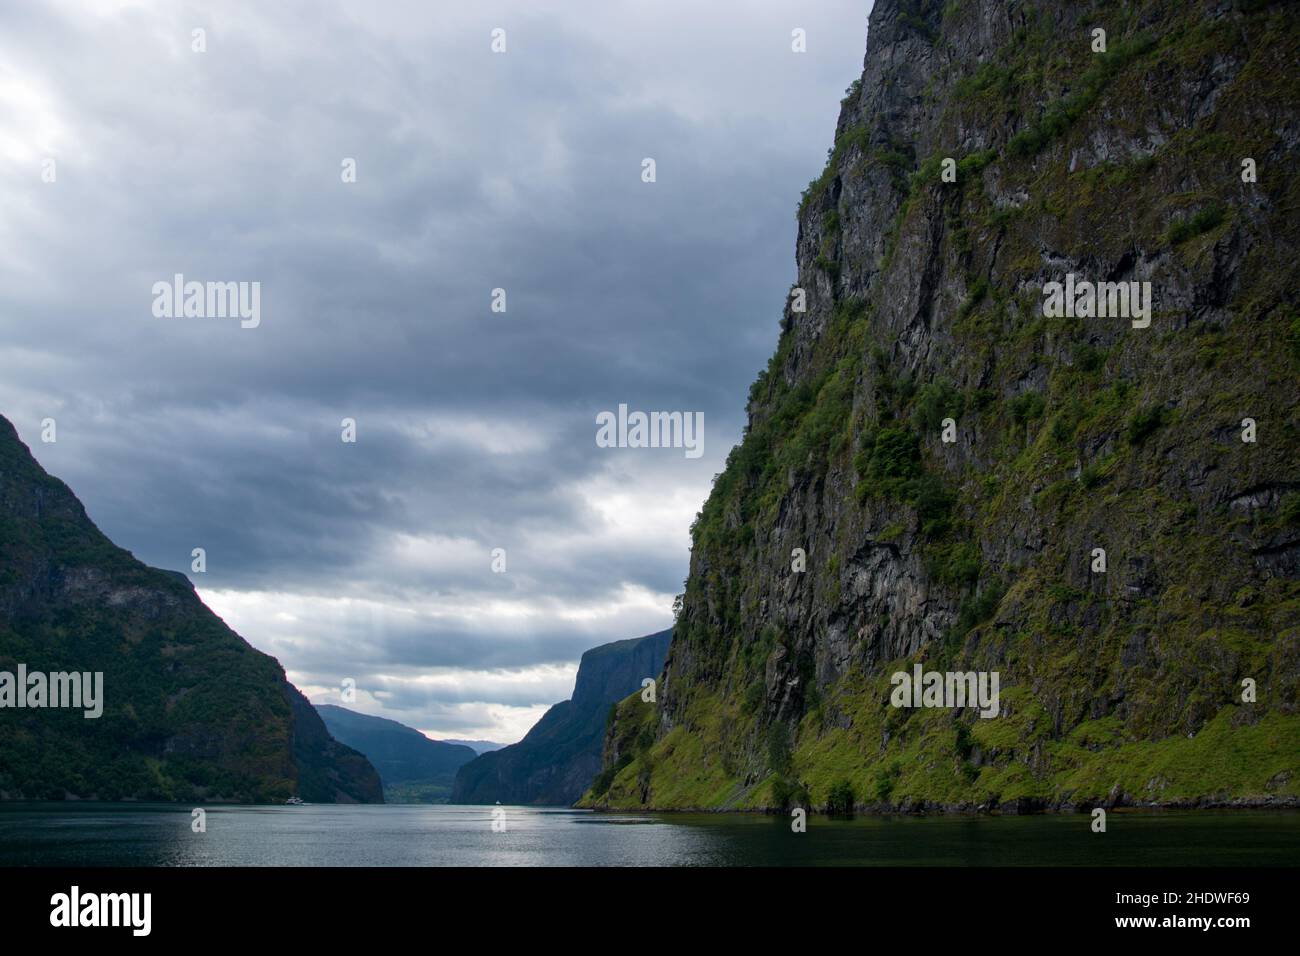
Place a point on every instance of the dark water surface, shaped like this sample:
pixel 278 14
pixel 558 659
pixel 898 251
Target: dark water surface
pixel 324 835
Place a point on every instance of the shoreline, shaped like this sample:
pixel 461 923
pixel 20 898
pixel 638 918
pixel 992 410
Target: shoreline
pixel 1023 807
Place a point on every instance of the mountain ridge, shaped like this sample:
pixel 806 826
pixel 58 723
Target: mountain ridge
pixel 192 712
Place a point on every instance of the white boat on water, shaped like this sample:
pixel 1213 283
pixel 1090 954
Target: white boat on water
pixel 294 802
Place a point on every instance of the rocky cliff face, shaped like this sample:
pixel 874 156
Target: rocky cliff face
pixel 1169 159
pixel 191 712
pixel 556 761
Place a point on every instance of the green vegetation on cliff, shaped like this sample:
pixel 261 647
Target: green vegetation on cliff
pixel 1071 434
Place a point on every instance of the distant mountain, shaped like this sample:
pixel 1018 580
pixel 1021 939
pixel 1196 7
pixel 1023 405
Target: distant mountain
pixel 414 768
pixel 191 712
pixel 478 746
pixel 557 760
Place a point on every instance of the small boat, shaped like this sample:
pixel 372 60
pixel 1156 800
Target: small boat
pixel 294 802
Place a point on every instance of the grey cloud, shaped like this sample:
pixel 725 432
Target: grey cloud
pixel 519 171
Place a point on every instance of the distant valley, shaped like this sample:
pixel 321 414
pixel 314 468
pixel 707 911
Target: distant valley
pixel 553 765
pixel 413 768
pixel 559 758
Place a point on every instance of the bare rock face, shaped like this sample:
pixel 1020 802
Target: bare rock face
pixel 950 454
pixel 191 712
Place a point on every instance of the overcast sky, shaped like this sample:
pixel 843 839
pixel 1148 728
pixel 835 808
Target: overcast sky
pixel 475 429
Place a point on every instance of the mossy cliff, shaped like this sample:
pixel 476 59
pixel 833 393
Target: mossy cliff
pixel 924 302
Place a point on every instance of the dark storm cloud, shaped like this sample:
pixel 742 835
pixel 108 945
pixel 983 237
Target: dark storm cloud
pixel 475 430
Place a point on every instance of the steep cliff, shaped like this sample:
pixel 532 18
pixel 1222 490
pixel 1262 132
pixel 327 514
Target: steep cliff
pixel 191 712
pixel 1169 158
pixel 557 760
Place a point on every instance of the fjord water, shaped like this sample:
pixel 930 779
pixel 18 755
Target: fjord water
pixel 407 835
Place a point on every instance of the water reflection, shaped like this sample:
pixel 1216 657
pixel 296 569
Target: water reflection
pixel 161 835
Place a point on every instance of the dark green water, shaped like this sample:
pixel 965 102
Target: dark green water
pixel 161 835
